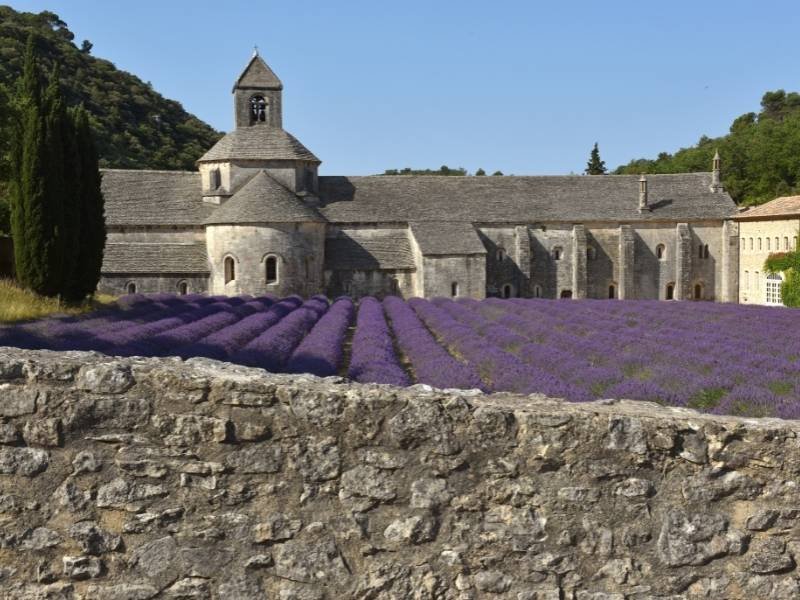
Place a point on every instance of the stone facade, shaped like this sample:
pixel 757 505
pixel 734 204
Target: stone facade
pixel 257 193
pixel 155 478
pixel 758 239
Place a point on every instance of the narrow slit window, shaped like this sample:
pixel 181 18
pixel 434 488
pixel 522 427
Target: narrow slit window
pixel 272 269
pixel 230 269
pixel 454 289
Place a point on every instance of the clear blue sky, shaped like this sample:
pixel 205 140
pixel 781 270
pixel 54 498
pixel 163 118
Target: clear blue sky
pixel 522 86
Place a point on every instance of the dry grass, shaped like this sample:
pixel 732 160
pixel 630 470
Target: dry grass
pixel 17 304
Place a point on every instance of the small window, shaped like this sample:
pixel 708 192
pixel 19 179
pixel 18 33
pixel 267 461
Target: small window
pixel 183 288
pixel 230 269
pixel 700 251
pixel 670 295
pixel 557 253
pixel 698 291
pixel 214 179
pixel 566 294
pixel 661 252
pixel 454 289
pixel 508 290
pixel 537 291
pixel 591 253
pixel 130 287
pixel 612 291
pixel 777 243
pixel 501 254
pixel 271 268
pixel 786 243
pixel 759 243
pixel 768 248
pixel 705 250
pixel 751 243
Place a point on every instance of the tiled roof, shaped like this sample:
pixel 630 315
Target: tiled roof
pixel 369 249
pixel 263 200
pixel 257 74
pixel 153 198
pixel 259 142
pixel 155 258
pixel 785 206
pixel 615 198
pixel 447 237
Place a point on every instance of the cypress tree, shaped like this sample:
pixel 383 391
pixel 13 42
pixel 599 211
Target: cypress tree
pixel 92 223
pixel 27 157
pixel 72 201
pixel 595 166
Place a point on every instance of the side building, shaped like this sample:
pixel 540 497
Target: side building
pixel 766 229
pixel 257 217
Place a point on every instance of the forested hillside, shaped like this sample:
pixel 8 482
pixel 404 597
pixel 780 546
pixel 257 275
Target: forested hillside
pixel 135 127
pixel 760 154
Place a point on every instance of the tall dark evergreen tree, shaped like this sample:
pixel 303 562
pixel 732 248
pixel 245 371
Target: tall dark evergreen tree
pixel 595 166
pixel 92 223
pixel 71 209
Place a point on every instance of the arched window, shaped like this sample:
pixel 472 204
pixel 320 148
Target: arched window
pixel 230 269
pixel 612 291
pixel 566 294
pixel 501 254
pixel 700 251
pixel 537 291
pixel 777 243
pixel 271 269
pixel 258 109
pixel 661 252
pixel 705 250
pixel 591 253
pixel 130 287
pixel 508 290
pixel 454 289
pixel 773 291
pixel 768 244
pixel 751 243
pixel 759 243
pixel 557 253
pixel 183 288
pixel 698 291
pixel 670 295
pixel 757 280
pixel 786 243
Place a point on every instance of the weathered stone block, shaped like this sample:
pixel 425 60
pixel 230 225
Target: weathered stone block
pixel 23 461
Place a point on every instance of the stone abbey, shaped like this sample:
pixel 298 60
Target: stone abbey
pixel 257 218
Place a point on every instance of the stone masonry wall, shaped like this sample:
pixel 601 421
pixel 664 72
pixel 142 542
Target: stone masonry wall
pixel 131 479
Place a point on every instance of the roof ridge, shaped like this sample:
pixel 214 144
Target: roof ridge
pixel 506 177
pixel 106 170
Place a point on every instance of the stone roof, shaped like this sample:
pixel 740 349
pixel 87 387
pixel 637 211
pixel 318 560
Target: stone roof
pixel 369 249
pixel 153 198
pixel 263 200
pixel 135 257
pixel 447 237
pixel 257 74
pixel 785 206
pixel 510 199
pixel 259 142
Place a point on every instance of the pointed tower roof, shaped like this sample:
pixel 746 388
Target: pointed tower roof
pixel 257 74
pixel 263 200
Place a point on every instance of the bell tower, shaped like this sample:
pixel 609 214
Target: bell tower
pixel 257 96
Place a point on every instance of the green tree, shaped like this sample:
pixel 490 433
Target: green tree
pixel 480 173
pixel 497 174
pixel 595 166
pixel 5 168
pixel 92 226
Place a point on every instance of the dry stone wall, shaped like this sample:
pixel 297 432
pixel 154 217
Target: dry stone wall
pixel 131 479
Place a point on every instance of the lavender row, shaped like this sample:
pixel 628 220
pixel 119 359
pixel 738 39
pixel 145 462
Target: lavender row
pixel 321 351
pixel 372 358
pixel 272 349
pixel 431 363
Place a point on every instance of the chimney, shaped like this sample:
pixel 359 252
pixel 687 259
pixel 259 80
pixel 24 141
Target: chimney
pixel 716 182
pixel 643 194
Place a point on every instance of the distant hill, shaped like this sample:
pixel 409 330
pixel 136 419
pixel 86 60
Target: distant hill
pixel 760 155
pixel 135 126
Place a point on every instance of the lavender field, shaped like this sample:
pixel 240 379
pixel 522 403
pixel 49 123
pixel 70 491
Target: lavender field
pixel 727 359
